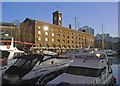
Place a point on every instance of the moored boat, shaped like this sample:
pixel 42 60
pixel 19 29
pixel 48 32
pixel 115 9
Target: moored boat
pixel 92 69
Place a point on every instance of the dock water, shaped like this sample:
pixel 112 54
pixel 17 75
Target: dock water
pixel 116 69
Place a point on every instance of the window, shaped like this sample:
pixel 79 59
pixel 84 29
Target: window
pixel 58 35
pixel 46 33
pixel 60 18
pixel 39 27
pixel 82 43
pixel 27 64
pixel 72 37
pixel 58 40
pixel 18 54
pixel 68 37
pixel 63 41
pixel 52 34
pixel 45 28
pixel 39 38
pixel 63 36
pixel 5 54
pixel 91 72
pixel 68 41
pixel 76 37
pixel 55 18
pixel 46 39
pixel 52 40
pixel 39 32
pixel 59 22
pixel 19 62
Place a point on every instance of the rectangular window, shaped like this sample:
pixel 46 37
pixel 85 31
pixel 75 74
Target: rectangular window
pixel 39 32
pixel 52 40
pixel 46 39
pixel 68 37
pixel 63 41
pixel 39 27
pixel 63 36
pixel 58 35
pixel 39 38
pixel 45 28
pixel 46 33
pixel 58 40
pixel 68 41
pixel 52 34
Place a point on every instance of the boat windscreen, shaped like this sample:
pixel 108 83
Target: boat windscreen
pixel 4 54
pixel 19 62
pixel 25 63
pixel 82 71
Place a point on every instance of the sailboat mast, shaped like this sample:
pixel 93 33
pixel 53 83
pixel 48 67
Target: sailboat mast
pixel 102 37
pixel 75 23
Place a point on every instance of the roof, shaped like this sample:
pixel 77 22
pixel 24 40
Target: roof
pixel 6 24
pixel 57 12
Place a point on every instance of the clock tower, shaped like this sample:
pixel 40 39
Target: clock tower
pixel 57 18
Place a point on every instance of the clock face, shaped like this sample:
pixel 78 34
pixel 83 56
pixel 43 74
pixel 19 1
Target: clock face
pixel 59 18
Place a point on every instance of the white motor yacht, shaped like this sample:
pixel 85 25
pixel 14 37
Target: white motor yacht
pixel 91 69
pixel 8 53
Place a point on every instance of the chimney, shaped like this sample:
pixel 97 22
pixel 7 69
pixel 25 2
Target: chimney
pixel 69 25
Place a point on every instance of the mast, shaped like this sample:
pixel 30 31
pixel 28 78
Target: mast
pixel 75 23
pixel 76 34
pixel 102 37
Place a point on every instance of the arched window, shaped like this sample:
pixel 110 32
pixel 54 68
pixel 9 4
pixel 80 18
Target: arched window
pixel 59 46
pixel 53 45
pixel 40 45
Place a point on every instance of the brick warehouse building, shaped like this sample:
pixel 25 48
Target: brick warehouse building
pixel 54 35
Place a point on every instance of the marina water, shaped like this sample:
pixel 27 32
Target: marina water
pixel 116 69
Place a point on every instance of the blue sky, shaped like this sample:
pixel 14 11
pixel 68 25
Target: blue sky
pixel 93 14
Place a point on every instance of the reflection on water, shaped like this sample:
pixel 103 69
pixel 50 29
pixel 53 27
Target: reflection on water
pixel 116 69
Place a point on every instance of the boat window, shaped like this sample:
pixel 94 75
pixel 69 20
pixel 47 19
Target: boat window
pixel 33 62
pixel 4 54
pixel 20 62
pixel 18 54
pixel 91 72
pixel 101 55
pixel 22 54
pixel 63 84
pixel 27 64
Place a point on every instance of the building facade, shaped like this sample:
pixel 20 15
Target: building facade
pixel 116 43
pixel 8 30
pixel 87 29
pixel 51 35
pixel 109 41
